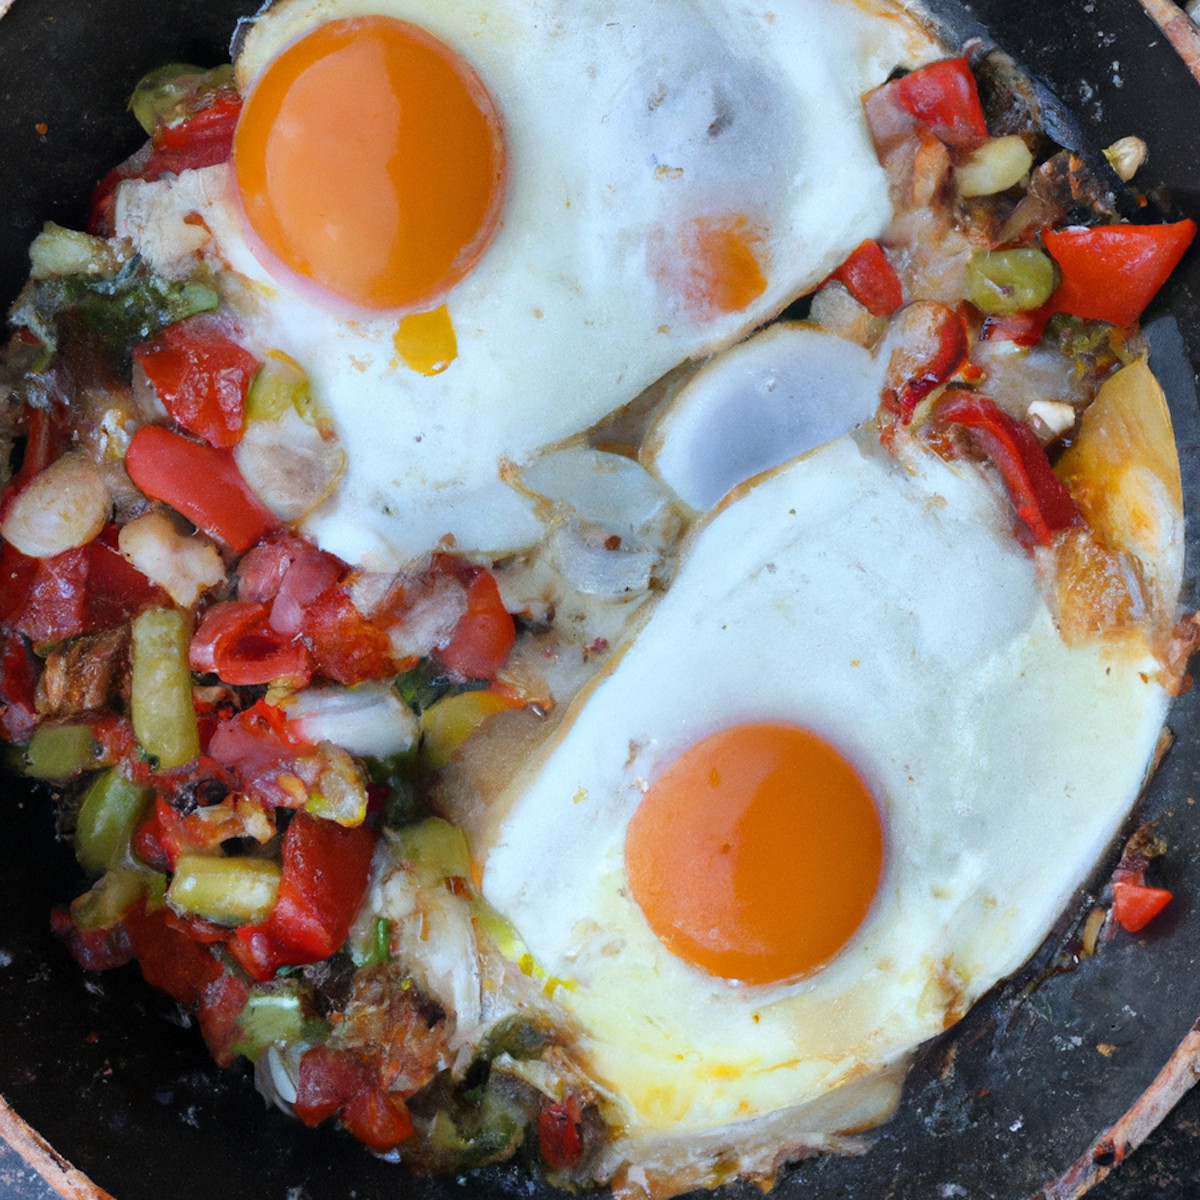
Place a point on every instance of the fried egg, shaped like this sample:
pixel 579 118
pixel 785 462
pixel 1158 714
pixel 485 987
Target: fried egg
pixel 620 187
pixel 842 781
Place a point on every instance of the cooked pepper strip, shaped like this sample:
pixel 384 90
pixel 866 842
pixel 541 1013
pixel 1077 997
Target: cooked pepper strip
pixel 201 482
pixel 1110 273
pixel 871 279
pixel 1039 496
pixel 164 717
pixel 945 99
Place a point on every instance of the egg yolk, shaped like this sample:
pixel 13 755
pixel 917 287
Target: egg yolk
pixel 756 854
pixel 369 159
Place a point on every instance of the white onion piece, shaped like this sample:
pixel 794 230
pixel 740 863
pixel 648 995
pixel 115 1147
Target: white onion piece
pixel 591 564
pixel 290 466
pixel 369 719
pixel 603 489
pixel 183 564
pixel 783 392
pixel 62 507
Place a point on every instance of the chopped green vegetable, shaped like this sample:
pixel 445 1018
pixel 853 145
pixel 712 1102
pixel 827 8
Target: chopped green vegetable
pixel 103 905
pixel 164 717
pixel 277 1013
pixel 229 891
pixel 107 819
pixel 1004 282
pixel 437 849
pixel 398 775
pixel 124 309
pixel 278 385
pixel 159 93
pixel 427 683
pixel 57 751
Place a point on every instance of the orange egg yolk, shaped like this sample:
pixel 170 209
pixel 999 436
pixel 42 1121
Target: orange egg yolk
pixel 369 159
pixel 756 854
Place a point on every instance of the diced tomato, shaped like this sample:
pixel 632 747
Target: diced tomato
pixel 160 838
pixel 46 438
pixel 347 647
pixel 169 959
pixel 343 1082
pixel 871 279
pixel 18 682
pixel 221 1003
pixel 1110 273
pixel 236 642
pixel 324 878
pixel 56 601
pixel 201 140
pixel 943 97
pixel 560 1132
pixel 201 375
pixel 202 482
pixel 1135 905
pixel 291 573
pixel 484 634
pixel 93 949
pixel 1039 496
pixel 17 572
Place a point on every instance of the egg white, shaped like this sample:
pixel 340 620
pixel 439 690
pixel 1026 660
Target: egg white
pixel 623 122
pixel 890 609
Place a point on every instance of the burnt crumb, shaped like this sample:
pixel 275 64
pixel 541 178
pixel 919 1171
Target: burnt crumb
pixel 332 981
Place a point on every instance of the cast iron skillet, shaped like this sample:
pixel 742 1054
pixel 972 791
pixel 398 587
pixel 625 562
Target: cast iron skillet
pixel 105 1071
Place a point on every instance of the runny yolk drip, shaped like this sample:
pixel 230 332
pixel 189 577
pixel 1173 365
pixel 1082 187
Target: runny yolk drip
pixel 369 159
pixel 756 854
pixel 426 341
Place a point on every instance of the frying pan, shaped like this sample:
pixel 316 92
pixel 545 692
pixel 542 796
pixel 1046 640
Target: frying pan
pixel 107 1072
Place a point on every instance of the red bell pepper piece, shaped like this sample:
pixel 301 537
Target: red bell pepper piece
pixel 201 375
pixel 944 98
pixel 560 1132
pixel 18 711
pixel 1135 905
pixel 929 345
pixel 1039 496
pixel 169 958
pixel 236 642
pixel 201 140
pixel 871 279
pixel 344 1082
pixel 324 878
pixel 116 589
pixel 1111 272
pixel 56 601
pixel 201 482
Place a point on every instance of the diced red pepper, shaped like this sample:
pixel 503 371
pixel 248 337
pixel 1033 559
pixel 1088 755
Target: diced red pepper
pixel 236 642
pixel 98 949
pixel 484 634
pixel 1039 496
pixel 560 1132
pixel 323 880
pixel 201 375
pixel 1111 272
pixel 943 97
pixel 116 589
pixel 201 482
pixel 347 647
pixel 200 140
pixel 871 279
pixel 1135 905
pixel 1022 329
pixel 221 1003
pixel 169 959
pixel 928 346
pixel 343 1082
pixel 18 681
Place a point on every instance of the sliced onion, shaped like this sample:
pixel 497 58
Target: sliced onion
pixel 289 465
pixel 183 564
pixel 369 719
pixel 62 507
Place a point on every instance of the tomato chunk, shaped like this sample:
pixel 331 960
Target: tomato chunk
pixel 347 647
pixel 325 869
pixel 484 634
pixel 201 140
pixel 237 643
pixel 344 1083
pixel 201 482
pixel 871 279
pixel 560 1132
pixel 1111 272
pixel 201 375
pixel 944 98
pixel 170 960
pixel 1039 496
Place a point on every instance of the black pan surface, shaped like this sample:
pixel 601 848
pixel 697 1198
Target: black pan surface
pixel 106 1071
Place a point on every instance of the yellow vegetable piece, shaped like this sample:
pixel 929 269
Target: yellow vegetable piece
pixel 448 723
pixel 229 891
pixel 164 717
